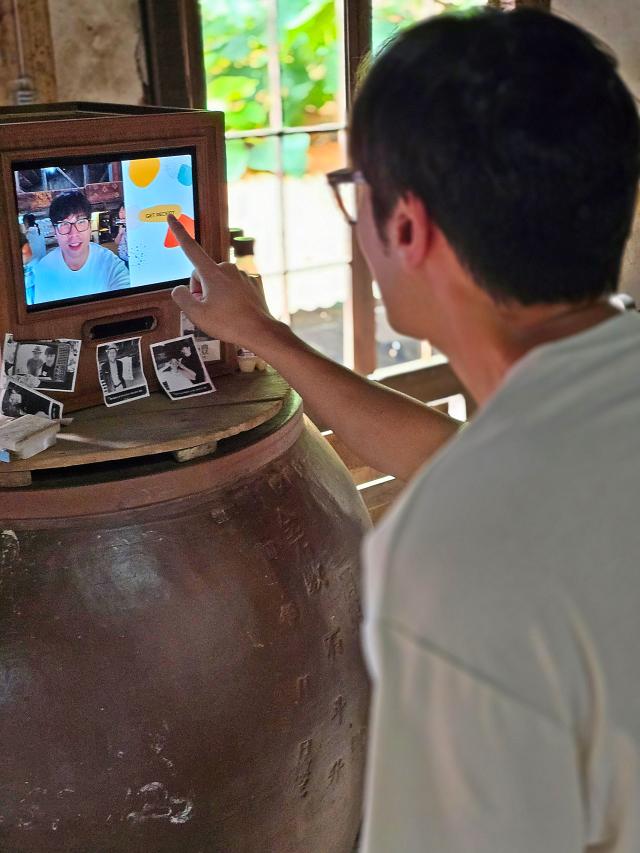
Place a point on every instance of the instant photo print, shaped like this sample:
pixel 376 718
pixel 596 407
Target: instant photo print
pixel 45 365
pixel 17 400
pixel 120 372
pixel 180 369
pixel 84 196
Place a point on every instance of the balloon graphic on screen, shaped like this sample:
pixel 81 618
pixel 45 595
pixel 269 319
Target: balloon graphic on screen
pixel 144 172
pixel 185 175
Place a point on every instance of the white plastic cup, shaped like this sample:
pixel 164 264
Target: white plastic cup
pixel 247 363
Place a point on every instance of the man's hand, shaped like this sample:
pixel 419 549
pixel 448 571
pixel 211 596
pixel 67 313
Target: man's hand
pixel 388 431
pixel 221 300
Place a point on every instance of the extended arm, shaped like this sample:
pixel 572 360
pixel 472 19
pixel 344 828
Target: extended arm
pixel 387 430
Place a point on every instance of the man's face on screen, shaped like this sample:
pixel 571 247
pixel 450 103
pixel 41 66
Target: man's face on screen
pixel 74 245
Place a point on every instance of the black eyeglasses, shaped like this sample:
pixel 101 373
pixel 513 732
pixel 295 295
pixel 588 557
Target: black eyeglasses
pixel 342 182
pixel 64 227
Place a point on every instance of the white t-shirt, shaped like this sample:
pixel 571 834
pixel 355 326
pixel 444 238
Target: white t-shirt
pixel 115 376
pixel 176 380
pixel 101 271
pixel 502 620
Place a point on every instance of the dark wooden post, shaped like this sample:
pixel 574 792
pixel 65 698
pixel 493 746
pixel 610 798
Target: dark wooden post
pixel 175 57
pixel 37 49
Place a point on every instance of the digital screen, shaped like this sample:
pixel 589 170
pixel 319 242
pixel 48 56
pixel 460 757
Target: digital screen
pixel 94 228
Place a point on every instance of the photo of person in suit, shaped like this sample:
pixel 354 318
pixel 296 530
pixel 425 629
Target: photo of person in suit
pixel 112 371
pixel 120 371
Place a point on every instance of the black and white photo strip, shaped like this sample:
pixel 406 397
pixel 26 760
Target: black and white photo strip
pixel 120 371
pixel 180 369
pixel 18 400
pixel 46 365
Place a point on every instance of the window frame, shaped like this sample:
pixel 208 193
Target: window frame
pixel 172 28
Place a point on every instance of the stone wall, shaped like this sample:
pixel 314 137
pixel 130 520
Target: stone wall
pixel 74 50
pixel 98 50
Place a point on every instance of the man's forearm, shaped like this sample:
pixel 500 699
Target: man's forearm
pixel 387 430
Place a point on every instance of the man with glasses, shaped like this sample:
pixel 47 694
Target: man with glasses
pixel 77 267
pixel 496 164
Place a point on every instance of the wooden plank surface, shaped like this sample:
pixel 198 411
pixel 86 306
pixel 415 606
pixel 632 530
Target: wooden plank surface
pixel 156 424
pixel 234 389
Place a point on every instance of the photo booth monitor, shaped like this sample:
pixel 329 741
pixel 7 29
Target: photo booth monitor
pixel 95 228
pixel 86 250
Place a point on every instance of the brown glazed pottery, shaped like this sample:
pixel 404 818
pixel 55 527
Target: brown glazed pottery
pixel 180 666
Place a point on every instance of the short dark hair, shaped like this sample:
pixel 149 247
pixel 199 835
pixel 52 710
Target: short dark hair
pixel 51 351
pixel 29 220
pixel 67 203
pixel 523 143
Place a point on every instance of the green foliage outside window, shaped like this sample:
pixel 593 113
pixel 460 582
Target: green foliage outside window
pixel 235 34
pixel 390 16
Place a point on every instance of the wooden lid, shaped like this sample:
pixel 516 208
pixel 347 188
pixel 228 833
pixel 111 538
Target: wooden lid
pixel 155 425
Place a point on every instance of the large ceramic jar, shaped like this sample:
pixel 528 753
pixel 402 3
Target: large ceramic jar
pixel 180 667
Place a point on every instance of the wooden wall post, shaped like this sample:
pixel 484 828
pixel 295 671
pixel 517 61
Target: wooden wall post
pixel 173 29
pixel 32 41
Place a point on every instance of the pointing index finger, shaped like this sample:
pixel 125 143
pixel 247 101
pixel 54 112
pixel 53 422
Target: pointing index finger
pixel 190 247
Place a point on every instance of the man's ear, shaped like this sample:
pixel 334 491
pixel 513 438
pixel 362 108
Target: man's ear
pixel 410 231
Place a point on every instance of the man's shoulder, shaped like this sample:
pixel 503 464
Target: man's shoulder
pixel 108 265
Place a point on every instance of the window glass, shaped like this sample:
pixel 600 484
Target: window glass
pixel 389 17
pixel 309 55
pixel 391 347
pixel 275 291
pixel 255 197
pixel 235 38
pixel 276 68
pixel 316 232
pixel 316 307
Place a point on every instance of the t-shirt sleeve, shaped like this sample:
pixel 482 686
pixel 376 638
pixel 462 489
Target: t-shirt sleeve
pixel 118 275
pixel 457 765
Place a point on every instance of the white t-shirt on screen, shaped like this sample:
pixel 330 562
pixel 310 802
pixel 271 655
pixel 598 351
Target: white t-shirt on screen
pixel 102 271
pixel 502 620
